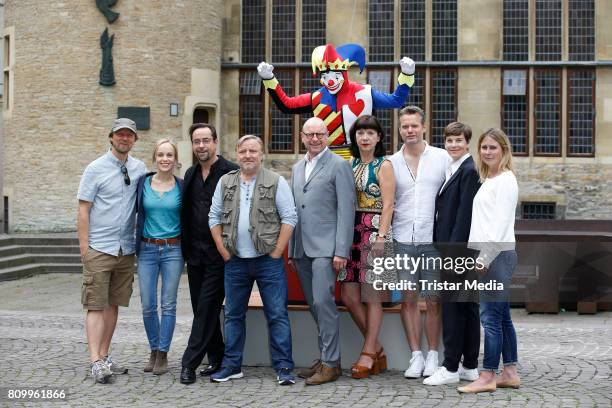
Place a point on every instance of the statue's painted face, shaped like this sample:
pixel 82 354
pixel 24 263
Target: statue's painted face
pixel 332 80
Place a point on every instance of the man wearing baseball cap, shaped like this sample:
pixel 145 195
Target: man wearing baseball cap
pixel 105 226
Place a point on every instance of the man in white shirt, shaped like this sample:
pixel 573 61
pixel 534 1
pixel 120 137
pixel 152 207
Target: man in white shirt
pixel 420 171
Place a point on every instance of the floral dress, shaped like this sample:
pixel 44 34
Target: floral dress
pixel 367 220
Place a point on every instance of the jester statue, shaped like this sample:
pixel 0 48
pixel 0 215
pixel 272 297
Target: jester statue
pixel 339 102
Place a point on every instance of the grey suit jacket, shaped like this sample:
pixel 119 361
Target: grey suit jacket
pixel 325 207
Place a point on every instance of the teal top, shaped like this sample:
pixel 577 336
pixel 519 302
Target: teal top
pixel 162 212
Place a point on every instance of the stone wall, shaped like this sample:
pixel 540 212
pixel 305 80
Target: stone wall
pixel 61 116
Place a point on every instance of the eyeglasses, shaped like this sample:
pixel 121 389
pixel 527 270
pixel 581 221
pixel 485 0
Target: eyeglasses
pixel 315 134
pixel 126 176
pixel 205 142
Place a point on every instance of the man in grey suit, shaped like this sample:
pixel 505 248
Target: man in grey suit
pixel 324 192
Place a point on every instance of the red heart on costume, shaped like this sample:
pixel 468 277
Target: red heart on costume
pixel 357 107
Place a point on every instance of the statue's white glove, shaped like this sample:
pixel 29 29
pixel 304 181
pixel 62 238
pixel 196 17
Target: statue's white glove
pixel 265 70
pixel 407 65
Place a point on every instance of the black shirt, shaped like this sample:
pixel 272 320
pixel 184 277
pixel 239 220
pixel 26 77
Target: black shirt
pixel 198 245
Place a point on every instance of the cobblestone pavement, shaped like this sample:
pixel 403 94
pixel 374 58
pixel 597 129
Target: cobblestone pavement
pixel 566 360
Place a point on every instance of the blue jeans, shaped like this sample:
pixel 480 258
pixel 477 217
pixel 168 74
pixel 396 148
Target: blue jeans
pixel 152 260
pixel 269 273
pixel 499 333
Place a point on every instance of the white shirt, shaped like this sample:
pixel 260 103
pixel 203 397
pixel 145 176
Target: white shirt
pixel 311 163
pixel 493 214
pixel 415 198
pixel 454 166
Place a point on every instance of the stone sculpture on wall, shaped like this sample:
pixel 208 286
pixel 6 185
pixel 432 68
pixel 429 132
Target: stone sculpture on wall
pixel 105 7
pixel 107 72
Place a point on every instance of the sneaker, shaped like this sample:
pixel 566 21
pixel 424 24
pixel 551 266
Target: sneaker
pixel 417 365
pixel 100 372
pixel 442 376
pixel 467 374
pixel 285 377
pixel 114 367
pixel 226 373
pixel 431 364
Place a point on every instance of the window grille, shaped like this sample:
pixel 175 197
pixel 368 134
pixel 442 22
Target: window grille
pixel 381 81
pixel 443 103
pixel 538 211
pixel 548 30
pixel 581 112
pixel 281 124
pixel 283 31
pixel 313 26
pixel 253 31
pixel 251 104
pixel 516 30
pixel 412 29
pixel 444 30
pixel 381 30
pixel 308 84
pixel 515 104
pixel 582 30
pixel 548 112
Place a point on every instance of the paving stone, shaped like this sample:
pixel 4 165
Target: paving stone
pixel 565 360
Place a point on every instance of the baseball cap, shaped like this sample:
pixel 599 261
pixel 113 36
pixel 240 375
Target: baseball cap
pixel 124 123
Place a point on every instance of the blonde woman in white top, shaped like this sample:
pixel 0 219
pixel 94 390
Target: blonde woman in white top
pixel 492 232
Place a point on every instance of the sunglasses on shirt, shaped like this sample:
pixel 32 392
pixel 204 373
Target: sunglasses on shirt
pixel 126 176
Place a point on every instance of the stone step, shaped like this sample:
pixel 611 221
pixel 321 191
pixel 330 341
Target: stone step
pixel 51 258
pixel 44 240
pixel 10 250
pixel 48 249
pixel 21 271
pixel 62 267
pixel 15 260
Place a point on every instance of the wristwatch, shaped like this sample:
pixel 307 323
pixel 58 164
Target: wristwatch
pixel 383 236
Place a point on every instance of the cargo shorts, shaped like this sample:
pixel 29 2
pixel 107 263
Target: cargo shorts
pixel 107 280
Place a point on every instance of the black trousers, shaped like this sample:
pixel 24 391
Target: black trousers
pixel 207 293
pixel 461 334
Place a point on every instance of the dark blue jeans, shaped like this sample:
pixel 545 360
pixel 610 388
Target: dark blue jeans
pixel 167 261
pixel 269 273
pixel 499 333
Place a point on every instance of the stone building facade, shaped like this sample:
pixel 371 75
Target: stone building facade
pixel 202 56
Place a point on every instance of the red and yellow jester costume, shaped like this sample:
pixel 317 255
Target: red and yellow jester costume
pixel 339 102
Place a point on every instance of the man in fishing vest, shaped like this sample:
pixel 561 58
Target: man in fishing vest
pixel 251 220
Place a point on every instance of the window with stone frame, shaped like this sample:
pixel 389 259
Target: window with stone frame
pixel 281 124
pixel 547 112
pixel 412 29
pixel 283 31
pixel 443 103
pixel 516 30
pixel 251 104
pixel 381 30
pixel 581 112
pixel 581 30
pixel 253 34
pixel 515 109
pixel 548 30
pixel 444 30
pixel 314 15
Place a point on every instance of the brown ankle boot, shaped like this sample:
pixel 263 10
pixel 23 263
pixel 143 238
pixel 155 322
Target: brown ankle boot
pixel 324 375
pixel 310 371
pixel 151 363
pixel 161 363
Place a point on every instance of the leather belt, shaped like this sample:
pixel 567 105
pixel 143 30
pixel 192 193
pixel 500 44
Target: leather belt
pixel 162 241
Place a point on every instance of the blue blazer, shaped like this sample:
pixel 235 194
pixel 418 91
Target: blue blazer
pixel 140 218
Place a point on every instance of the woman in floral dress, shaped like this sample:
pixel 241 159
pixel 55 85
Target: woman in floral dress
pixel 375 185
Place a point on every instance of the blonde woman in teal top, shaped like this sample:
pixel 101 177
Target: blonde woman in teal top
pixel 158 247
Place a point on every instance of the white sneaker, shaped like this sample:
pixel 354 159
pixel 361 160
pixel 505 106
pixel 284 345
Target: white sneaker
pixel 467 374
pixel 442 376
pixel 431 364
pixel 417 365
